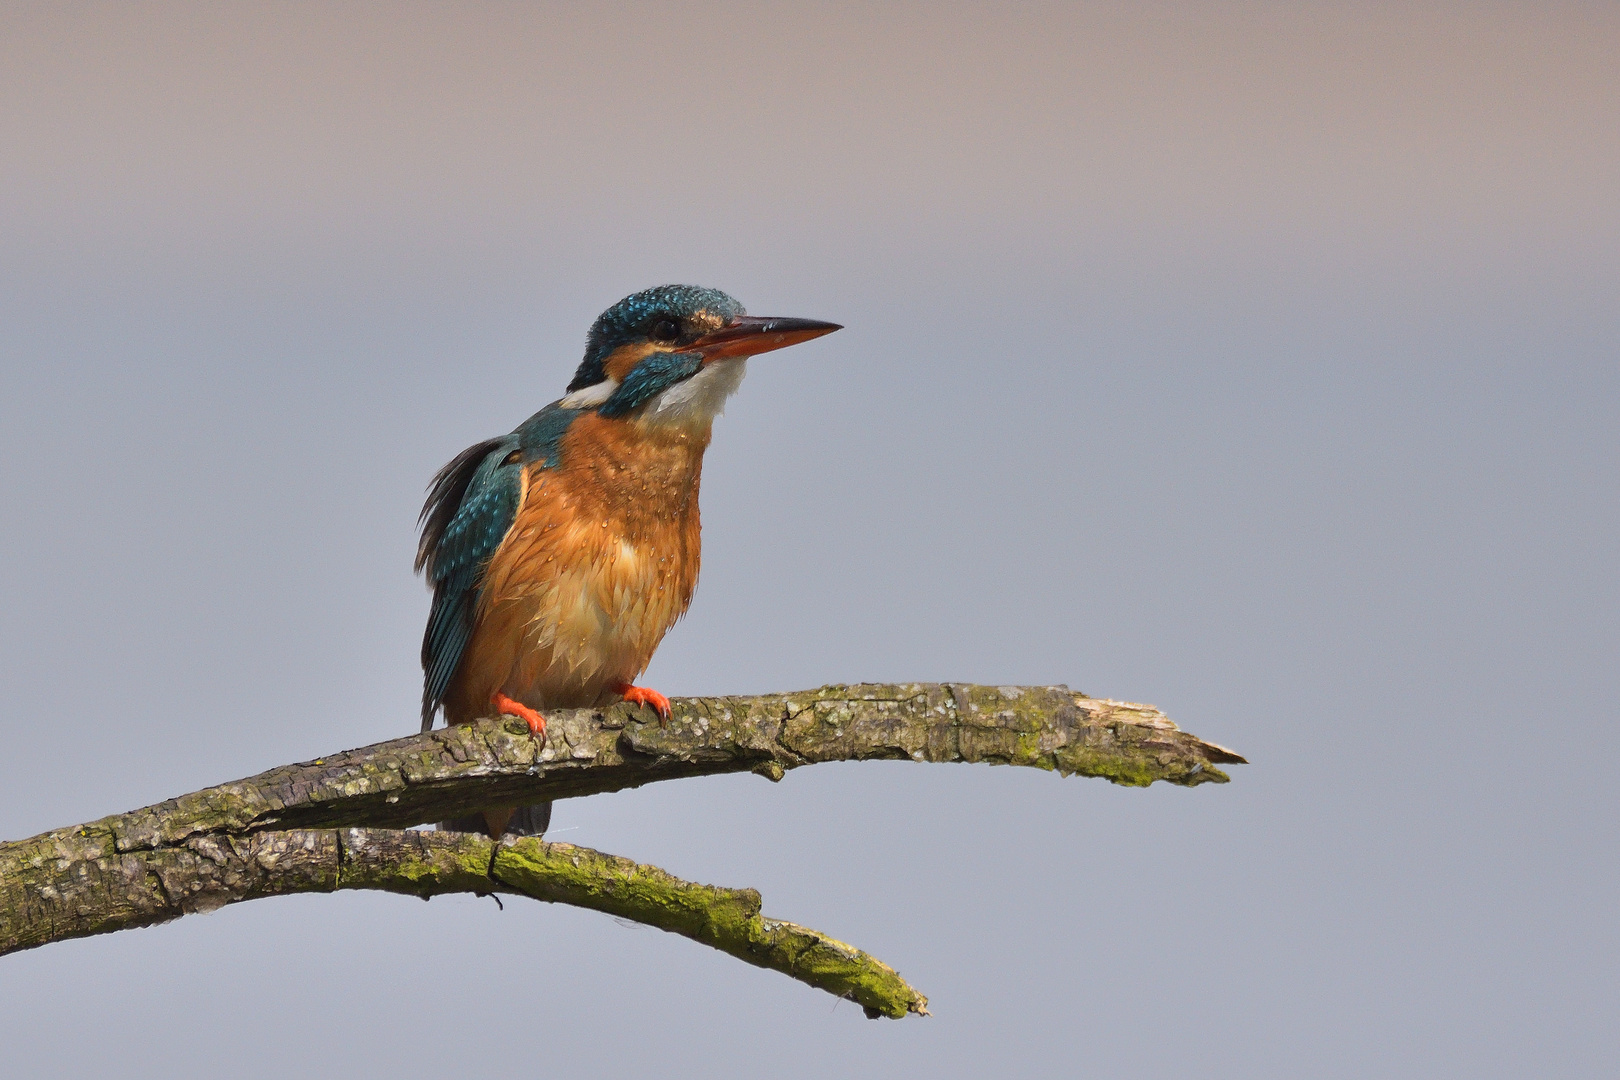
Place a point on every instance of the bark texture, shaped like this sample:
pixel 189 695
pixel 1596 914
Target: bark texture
pixel 337 822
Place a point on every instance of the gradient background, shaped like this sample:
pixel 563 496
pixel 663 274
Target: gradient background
pixel 1261 362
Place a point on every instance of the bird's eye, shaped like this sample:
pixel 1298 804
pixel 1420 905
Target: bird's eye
pixel 666 330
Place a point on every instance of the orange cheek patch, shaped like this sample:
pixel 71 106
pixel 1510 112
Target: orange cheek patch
pixel 621 360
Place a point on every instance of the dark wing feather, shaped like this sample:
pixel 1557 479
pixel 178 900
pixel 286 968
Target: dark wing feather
pixel 470 507
pixel 445 494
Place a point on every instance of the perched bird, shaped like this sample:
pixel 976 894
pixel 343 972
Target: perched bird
pixel 559 555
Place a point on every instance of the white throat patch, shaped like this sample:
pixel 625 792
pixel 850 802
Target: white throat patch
pixel 701 398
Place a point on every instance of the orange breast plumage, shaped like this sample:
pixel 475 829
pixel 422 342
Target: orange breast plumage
pixel 599 563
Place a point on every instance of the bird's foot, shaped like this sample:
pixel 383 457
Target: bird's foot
pixel 644 695
pixel 508 707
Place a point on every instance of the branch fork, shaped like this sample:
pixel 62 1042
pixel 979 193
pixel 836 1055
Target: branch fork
pixel 342 822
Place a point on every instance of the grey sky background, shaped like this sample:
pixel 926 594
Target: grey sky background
pixel 1258 362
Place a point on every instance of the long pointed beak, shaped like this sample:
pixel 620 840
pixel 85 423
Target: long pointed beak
pixel 749 335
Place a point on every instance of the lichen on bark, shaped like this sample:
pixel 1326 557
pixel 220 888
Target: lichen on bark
pixel 338 822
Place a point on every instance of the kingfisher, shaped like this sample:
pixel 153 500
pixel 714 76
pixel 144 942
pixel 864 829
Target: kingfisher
pixel 559 555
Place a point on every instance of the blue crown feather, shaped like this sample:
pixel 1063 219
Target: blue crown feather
pixel 628 320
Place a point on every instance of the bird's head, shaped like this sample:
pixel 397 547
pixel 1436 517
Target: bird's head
pixel 675 353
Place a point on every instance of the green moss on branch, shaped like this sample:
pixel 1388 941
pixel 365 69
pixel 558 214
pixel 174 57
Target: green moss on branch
pixel 280 831
pixel 207 873
pixel 725 919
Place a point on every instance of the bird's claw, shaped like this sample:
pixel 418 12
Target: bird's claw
pixel 508 707
pixel 645 695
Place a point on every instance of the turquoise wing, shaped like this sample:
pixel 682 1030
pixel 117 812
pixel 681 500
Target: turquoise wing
pixel 470 507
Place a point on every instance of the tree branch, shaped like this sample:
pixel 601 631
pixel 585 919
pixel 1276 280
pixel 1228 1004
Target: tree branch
pixel 298 828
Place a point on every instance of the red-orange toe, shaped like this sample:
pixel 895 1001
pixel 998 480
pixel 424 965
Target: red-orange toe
pixel 508 707
pixel 644 695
